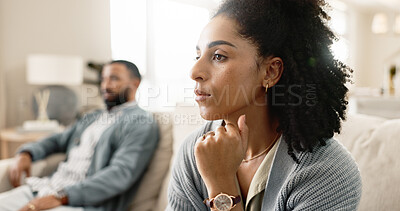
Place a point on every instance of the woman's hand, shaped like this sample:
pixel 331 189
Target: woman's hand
pixel 220 153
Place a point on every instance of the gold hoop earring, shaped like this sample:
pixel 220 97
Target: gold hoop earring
pixel 266 88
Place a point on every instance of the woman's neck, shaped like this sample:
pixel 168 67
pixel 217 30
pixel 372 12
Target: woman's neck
pixel 262 127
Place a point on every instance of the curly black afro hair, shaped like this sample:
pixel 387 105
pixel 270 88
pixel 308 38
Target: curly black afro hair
pixel 310 98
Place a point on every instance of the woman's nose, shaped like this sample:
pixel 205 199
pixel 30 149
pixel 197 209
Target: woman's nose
pixel 198 71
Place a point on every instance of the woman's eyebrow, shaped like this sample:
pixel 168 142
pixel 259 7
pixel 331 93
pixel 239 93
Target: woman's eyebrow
pixel 218 42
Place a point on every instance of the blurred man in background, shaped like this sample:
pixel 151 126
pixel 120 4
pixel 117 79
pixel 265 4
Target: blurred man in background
pixel 107 154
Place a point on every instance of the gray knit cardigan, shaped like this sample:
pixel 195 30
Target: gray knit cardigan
pixel 326 179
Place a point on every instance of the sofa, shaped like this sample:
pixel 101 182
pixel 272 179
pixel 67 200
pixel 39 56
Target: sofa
pixel 372 141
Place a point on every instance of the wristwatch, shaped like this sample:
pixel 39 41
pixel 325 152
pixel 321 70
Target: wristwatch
pixel 222 202
pixel 62 196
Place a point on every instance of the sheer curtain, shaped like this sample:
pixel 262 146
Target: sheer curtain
pixel 160 36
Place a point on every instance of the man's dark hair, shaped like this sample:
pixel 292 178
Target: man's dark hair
pixel 312 92
pixel 134 71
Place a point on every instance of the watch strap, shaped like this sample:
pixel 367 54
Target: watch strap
pixel 236 200
pixel 208 202
pixel 62 196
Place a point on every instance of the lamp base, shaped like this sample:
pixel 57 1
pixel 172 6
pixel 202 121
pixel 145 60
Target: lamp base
pixel 38 125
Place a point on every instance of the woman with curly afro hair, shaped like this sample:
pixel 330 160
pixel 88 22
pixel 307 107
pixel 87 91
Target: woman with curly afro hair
pixel 275 95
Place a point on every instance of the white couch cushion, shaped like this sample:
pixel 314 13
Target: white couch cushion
pixel 150 186
pixel 379 163
pixel 357 127
pixel 186 118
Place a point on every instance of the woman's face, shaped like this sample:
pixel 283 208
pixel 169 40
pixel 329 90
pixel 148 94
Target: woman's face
pixel 226 72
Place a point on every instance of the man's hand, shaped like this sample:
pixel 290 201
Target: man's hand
pixel 22 163
pixel 43 203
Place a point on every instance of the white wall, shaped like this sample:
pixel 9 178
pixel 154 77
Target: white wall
pixel 72 27
pixel 359 31
pixel 2 102
pixel 382 48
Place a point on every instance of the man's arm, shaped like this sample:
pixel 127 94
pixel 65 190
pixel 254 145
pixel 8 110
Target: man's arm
pixel 49 145
pixel 36 151
pixel 128 163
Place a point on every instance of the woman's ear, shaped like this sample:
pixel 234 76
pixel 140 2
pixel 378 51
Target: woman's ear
pixel 273 68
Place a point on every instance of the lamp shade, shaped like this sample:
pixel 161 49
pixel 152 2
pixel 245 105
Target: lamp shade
pixel 396 27
pixel 380 23
pixel 54 70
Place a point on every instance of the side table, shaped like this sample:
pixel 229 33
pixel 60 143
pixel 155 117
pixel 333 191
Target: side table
pixel 11 139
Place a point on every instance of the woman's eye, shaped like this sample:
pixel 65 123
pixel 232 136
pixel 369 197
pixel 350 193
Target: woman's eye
pixel 219 57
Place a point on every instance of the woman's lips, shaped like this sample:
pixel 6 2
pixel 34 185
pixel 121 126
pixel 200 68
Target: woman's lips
pixel 200 95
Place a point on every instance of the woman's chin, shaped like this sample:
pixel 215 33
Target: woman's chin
pixel 206 117
pixel 209 116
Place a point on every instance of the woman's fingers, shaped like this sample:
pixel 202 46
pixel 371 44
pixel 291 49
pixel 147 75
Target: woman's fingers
pixel 244 130
pixel 232 130
pixel 219 153
pixel 220 130
pixel 200 139
pixel 209 133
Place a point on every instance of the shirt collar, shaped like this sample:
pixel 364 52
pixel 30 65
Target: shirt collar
pixel 260 178
pixel 122 106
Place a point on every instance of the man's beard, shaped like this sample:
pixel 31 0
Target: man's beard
pixel 121 98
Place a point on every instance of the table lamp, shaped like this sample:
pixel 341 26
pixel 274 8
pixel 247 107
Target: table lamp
pixel 51 71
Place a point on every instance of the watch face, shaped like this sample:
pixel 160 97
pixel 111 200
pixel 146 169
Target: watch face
pixel 223 202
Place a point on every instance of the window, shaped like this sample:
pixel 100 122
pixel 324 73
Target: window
pixel 339 25
pixel 128 31
pixel 160 37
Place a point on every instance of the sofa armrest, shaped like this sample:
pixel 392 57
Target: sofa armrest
pixel 39 168
pixel 4 181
